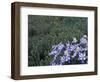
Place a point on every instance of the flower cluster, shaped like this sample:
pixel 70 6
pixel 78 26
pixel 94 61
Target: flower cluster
pixel 74 52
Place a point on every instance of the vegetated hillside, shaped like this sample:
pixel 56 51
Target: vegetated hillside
pixel 46 31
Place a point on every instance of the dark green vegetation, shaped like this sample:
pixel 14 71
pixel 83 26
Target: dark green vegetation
pixel 45 31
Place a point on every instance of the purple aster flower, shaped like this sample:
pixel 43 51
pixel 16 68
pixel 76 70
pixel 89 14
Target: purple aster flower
pixel 84 49
pixel 60 46
pixel 65 58
pixel 83 40
pixel 53 63
pixel 64 52
pixel 82 56
pixel 72 47
pixel 53 52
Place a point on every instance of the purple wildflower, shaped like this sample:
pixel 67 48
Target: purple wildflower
pixel 70 51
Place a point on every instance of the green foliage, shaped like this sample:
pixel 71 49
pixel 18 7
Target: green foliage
pixel 45 31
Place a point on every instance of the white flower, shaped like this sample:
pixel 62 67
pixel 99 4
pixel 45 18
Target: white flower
pixel 77 49
pixel 74 40
pixel 85 36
